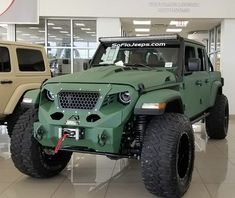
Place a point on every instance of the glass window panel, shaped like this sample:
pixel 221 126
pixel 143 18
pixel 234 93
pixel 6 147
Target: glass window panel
pixel 30 60
pixel 84 33
pixel 212 40
pixel 59 33
pixel 217 61
pixel 91 53
pixel 80 60
pixel 3 31
pixel 5 64
pixel 31 33
pixel 60 61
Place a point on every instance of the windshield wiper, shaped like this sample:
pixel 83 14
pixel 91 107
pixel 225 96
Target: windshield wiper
pixel 138 65
pixel 103 64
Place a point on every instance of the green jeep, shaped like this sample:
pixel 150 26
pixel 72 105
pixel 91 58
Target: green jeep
pixel 138 99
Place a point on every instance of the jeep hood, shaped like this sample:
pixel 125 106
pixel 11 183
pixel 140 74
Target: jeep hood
pixel 118 75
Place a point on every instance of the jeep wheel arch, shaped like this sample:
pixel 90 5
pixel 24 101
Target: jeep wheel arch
pixel 216 89
pixel 169 99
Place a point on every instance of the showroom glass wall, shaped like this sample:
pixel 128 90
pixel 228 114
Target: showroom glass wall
pixel 214 46
pixel 70 43
pixel 3 31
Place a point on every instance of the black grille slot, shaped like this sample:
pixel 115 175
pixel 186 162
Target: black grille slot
pixel 109 99
pixel 78 100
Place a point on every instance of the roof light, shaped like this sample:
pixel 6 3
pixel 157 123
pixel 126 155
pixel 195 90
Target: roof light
pixel 173 30
pixel 135 22
pixel 64 32
pixel 80 24
pixel 86 29
pixel 142 34
pixel 57 28
pixel 142 29
pixel 179 23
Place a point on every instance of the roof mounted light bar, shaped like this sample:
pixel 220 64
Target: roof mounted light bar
pixel 140 38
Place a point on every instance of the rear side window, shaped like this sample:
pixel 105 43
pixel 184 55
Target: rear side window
pixel 5 63
pixel 30 60
pixel 189 53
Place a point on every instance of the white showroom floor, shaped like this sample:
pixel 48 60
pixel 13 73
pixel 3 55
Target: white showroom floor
pixel 97 176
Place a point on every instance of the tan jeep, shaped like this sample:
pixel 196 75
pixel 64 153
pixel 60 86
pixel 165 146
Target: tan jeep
pixel 23 67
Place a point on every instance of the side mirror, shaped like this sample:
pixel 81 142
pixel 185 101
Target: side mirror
pixel 194 64
pixel 85 66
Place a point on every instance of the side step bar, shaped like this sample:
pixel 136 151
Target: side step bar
pixel 199 118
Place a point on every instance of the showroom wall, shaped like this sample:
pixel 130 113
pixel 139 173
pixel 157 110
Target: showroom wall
pixel 144 8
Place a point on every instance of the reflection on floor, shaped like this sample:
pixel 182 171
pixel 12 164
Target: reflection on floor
pixel 97 176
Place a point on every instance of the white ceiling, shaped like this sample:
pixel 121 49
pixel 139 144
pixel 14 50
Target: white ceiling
pixel 159 26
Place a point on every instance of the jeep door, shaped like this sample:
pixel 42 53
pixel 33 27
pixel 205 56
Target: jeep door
pixel 7 85
pixel 197 82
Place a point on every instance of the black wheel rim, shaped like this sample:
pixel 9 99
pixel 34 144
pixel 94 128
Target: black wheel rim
pixel 183 156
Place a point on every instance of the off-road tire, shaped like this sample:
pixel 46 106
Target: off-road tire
pixel 167 158
pixel 28 155
pixel 218 120
pixel 12 119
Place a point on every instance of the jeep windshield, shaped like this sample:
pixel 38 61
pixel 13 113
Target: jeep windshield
pixel 151 55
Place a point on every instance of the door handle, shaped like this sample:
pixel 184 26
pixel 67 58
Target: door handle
pixel 207 80
pixel 6 81
pixel 198 83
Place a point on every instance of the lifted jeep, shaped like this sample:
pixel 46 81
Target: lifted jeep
pixel 138 100
pixel 23 67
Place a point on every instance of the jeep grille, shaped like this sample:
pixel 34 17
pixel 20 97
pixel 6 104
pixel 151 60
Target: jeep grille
pixel 78 100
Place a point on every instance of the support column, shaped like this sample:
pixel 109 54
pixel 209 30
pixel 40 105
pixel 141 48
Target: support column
pixel 108 27
pixel 228 61
pixel 11 33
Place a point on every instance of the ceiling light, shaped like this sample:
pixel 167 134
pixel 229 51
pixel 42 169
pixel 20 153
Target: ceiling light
pixel 173 30
pixel 18 31
pixel 142 29
pixel 51 36
pixel 76 37
pixel 135 22
pixel 57 28
pixel 64 32
pixel 34 37
pixel 79 39
pixel 142 34
pixel 93 35
pixel 42 31
pixel 80 24
pixel 26 34
pixel 58 39
pixel 90 32
pixel 179 23
pixel 86 29
pixel 51 24
pixel 33 28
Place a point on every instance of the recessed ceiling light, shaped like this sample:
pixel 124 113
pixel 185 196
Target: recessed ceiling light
pixel 93 35
pixel 58 39
pixel 41 31
pixel 20 39
pixel 142 29
pixel 76 37
pixel 173 30
pixel 80 24
pixel 33 28
pixel 142 34
pixel 52 36
pixel 135 22
pixel 79 39
pixel 18 31
pixel 57 28
pixel 90 32
pixel 26 34
pixel 64 32
pixel 179 23
pixel 50 24
pixel 86 29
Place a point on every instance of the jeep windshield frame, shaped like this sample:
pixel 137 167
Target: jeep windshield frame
pixel 166 53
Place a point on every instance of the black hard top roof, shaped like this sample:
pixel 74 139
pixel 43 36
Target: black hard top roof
pixel 161 37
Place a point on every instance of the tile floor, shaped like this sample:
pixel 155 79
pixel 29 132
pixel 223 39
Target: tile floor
pixel 89 176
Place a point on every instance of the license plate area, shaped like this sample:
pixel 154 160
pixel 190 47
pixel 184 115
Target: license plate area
pixel 76 134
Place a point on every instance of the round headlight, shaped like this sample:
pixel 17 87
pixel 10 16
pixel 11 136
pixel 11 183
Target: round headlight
pixel 50 96
pixel 125 97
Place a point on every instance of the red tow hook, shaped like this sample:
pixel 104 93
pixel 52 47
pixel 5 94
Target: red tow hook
pixel 59 144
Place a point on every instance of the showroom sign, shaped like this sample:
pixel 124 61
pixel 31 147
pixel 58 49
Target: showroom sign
pixel 19 11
